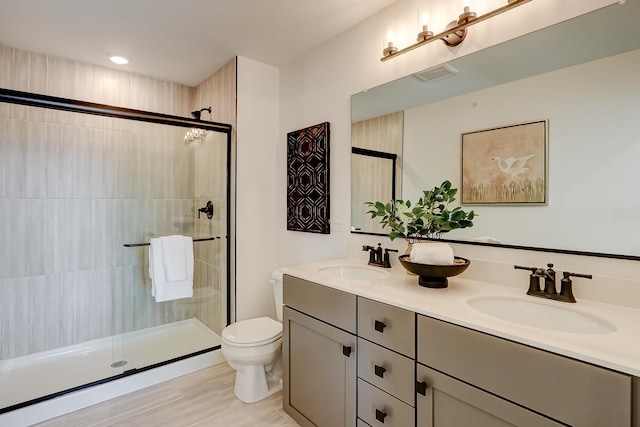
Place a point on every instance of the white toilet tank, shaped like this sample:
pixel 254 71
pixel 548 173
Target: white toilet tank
pixel 276 281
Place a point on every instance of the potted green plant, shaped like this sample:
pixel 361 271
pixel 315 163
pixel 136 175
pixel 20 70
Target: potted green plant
pixel 429 217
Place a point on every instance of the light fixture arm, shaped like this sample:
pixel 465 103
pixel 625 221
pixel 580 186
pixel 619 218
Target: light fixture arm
pixel 459 28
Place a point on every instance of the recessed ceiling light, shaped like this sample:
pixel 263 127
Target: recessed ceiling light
pixel 120 60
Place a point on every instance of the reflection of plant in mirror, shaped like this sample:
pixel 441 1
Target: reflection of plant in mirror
pixel 428 217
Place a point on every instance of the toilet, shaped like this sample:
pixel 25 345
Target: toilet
pixel 253 348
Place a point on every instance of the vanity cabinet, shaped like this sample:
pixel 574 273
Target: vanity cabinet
pixel 508 377
pixel 386 364
pixel 319 354
pixel 408 369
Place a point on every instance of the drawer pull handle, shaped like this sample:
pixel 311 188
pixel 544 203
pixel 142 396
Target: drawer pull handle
pixel 346 350
pixel 379 370
pixel 421 387
pixel 380 415
pixel 379 326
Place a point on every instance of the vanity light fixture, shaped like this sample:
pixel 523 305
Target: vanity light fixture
pixel 425 12
pixel 454 33
pixel 388 38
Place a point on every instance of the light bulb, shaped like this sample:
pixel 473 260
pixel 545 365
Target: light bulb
pixel 389 38
pixel 467 13
pixel 424 16
pixel 425 10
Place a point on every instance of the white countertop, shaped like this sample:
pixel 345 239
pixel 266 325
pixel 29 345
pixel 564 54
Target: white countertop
pixel 619 350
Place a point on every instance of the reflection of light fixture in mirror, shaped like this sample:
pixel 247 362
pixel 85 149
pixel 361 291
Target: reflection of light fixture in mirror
pixel 195 135
pixel 454 33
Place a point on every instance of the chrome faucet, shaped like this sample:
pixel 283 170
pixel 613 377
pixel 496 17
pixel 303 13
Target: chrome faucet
pixel 550 290
pixel 376 256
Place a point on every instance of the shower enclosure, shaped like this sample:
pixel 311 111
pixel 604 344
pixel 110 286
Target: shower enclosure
pixel 83 187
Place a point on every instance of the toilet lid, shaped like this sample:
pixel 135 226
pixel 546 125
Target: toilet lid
pixel 261 330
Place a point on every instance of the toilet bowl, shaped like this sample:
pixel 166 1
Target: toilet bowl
pixel 253 348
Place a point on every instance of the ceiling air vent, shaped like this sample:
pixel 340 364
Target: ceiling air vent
pixel 438 72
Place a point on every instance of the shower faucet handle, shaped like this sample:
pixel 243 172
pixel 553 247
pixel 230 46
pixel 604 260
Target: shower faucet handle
pixel 207 209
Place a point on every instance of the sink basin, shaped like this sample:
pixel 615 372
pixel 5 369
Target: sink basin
pixel 541 314
pixel 354 272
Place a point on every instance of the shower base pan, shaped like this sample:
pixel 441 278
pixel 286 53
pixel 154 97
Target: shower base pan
pixel 37 375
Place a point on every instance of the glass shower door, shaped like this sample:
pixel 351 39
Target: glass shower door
pixel 80 197
pixel 156 332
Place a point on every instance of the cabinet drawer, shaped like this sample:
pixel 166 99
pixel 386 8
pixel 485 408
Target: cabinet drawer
pixel 389 326
pixel 362 423
pixel 324 303
pixel 386 370
pixel 378 408
pixel 570 391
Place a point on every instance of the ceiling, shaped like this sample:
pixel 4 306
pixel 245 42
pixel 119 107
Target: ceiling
pixel 182 41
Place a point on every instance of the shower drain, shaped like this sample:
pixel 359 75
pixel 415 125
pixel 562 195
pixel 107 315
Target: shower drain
pixel 119 364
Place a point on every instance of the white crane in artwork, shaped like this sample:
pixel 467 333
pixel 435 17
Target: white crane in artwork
pixel 513 166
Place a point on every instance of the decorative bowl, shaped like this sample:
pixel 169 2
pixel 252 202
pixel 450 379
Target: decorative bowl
pixel 434 276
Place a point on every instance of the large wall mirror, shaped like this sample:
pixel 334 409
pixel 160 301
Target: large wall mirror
pixel 581 78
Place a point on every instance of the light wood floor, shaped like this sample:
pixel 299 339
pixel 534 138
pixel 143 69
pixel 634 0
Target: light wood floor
pixel 203 398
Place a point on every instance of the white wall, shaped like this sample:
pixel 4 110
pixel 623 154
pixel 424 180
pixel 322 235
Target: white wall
pixel 318 87
pixel 256 185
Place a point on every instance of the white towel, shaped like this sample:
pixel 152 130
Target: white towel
pixel 174 257
pixel 171 256
pixel 432 253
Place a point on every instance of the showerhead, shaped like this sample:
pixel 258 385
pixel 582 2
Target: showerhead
pixel 197 113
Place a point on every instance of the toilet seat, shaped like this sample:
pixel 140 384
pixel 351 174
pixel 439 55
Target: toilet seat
pixel 252 332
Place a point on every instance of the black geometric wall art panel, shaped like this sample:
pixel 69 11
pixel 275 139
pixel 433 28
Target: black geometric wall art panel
pixel 308 179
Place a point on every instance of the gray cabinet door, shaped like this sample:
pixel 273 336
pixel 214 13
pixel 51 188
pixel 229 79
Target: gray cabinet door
pixel 319 372
pixel 447 402
pixel 570 391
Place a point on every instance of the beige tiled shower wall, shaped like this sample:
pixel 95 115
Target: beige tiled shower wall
pixel 75 187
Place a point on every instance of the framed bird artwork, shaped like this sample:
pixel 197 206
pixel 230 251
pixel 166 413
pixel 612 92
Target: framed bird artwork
pixel 506 165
